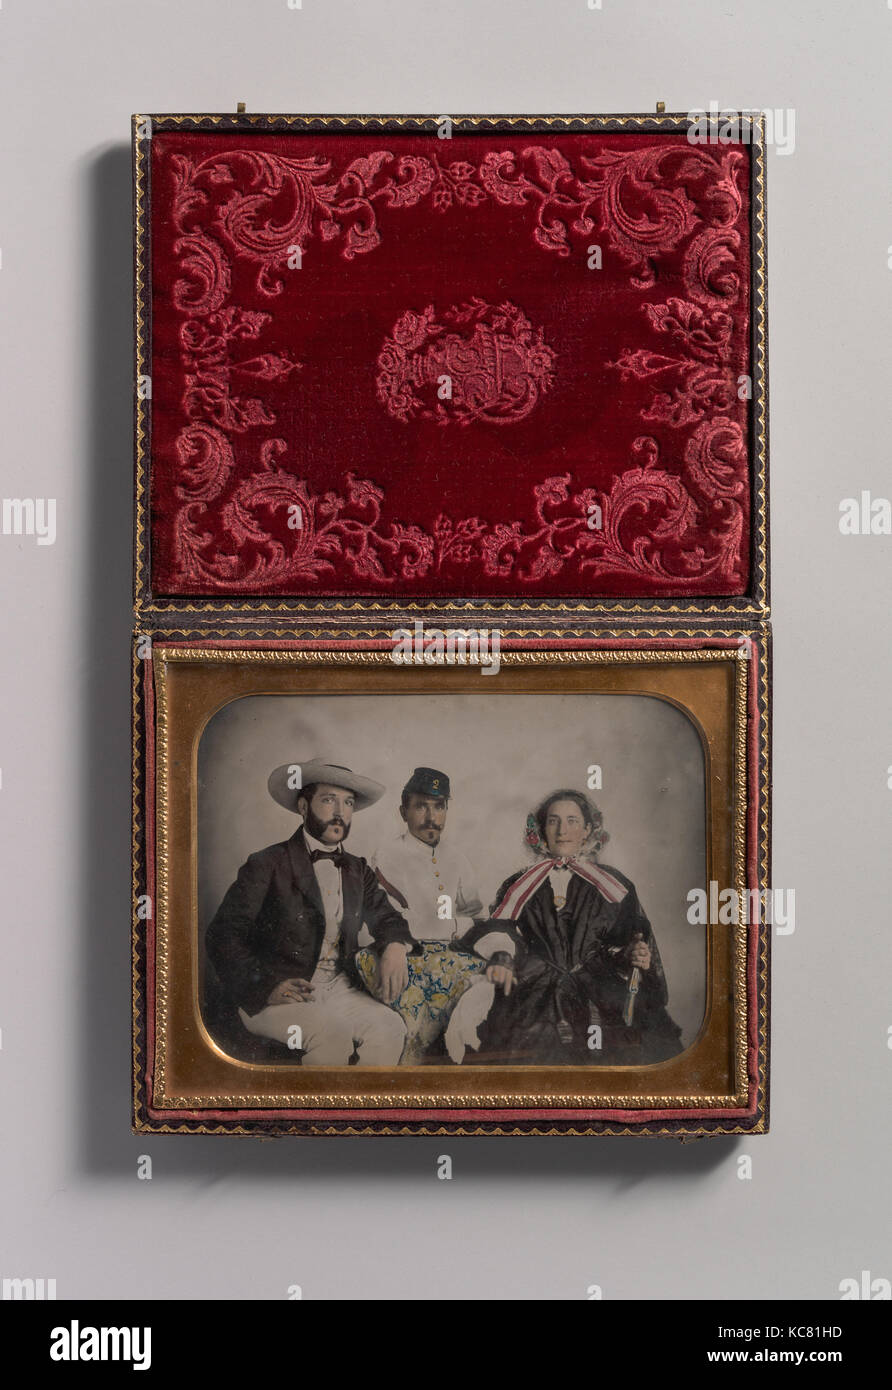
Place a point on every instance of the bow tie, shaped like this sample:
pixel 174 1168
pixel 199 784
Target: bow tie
pixel 334 854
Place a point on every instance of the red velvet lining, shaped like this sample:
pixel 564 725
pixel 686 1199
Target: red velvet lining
pixel 301 443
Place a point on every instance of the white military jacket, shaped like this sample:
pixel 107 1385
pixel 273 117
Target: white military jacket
pixel 424 878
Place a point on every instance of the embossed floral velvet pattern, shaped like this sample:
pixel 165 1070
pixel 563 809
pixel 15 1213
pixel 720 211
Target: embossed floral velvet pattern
pixel 446 397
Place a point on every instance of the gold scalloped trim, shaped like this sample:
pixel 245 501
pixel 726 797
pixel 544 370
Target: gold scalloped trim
pixel 606 1129
pixel 332 632
pixel 414 1100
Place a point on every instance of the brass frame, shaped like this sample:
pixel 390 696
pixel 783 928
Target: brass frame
pixel 627 650
pixel 754 606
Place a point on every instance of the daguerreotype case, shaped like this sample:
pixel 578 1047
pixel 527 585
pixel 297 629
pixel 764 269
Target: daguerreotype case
pixel 451 650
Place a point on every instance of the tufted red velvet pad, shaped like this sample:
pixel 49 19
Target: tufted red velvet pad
pixel 397 365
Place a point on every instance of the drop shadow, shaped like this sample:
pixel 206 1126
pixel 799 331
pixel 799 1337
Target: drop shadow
pixel 106 1148
pixel 103 1057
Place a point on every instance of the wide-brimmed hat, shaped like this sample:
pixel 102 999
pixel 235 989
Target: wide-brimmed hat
pixel 364 789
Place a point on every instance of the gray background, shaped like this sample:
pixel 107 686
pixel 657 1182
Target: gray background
pixel 503 754
pixel 522 1219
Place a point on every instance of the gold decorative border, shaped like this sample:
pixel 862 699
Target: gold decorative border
pixel 759 348
pixel 142 348
pixel 763 861
pixel 559 634
pixel 755 607
pixel 414 1100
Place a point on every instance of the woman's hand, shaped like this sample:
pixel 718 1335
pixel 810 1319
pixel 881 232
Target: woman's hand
pixel 639 956
pixel 501 975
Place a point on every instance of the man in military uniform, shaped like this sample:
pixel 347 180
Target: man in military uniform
pixel 433 885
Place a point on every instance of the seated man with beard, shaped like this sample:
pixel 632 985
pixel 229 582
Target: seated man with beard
pixel 586 952
pixel 284 940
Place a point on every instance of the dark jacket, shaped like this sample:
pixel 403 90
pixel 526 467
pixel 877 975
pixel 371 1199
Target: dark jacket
pixel 271 923
pixel 573 971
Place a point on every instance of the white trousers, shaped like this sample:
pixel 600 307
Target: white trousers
pixel 337 1019
pixel 468 1014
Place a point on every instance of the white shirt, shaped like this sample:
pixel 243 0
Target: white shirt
pixel 425 877
pixel 433 880
pixel 328 877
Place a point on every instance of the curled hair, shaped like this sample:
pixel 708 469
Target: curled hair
pixel 535 830
pixel 309 791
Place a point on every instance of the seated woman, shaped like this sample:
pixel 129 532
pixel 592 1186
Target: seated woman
pixel 586 953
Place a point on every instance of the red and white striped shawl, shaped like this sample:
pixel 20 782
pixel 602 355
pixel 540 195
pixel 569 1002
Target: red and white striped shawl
pixel 523 888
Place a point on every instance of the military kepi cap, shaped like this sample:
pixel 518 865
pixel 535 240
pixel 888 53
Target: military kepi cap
pixel 427 781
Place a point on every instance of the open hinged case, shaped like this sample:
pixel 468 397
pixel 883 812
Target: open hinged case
pixel 422 401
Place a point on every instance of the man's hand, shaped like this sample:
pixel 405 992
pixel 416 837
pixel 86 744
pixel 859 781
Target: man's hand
pixel 291 992
pixel 502 975
pixel 640 953
pixel 393 971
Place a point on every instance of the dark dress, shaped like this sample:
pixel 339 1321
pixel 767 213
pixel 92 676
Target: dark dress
pixel 572 971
